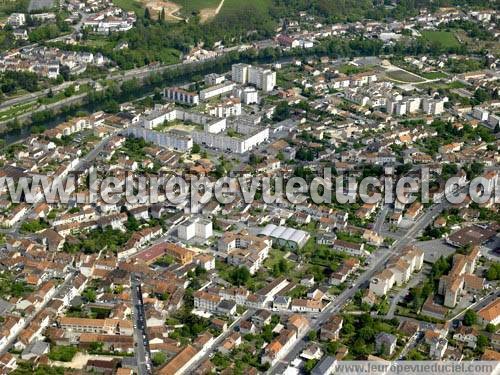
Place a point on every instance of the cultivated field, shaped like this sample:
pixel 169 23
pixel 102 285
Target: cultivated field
pixel 403 76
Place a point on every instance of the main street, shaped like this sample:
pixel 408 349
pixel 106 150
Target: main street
pixel 142 352
pixel 376 266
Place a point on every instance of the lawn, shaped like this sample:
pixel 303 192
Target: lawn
pixel 402 76
pixel 62 353
pixel 445 38
pixel 351 69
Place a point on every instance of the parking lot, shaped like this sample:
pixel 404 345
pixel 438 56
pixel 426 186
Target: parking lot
pixel 434 249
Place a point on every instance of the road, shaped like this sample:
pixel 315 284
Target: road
pixel 28 319
pixel 142 352
pixel 39 94
pixel 119 77
pixel 381 219
pixel 218 341
pixel 479 304
pixel 376 265
pixel 75 99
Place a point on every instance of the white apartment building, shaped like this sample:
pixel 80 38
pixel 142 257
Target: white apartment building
pixel 433 106
pixel 196 227
pixel 214 79
pixel 398 271
pixel 480 114
pixel 222 89
pixel 250 96
pixel 247 135
pixel 206 301
pixel 174 140
pixel 401 106
pixel 230 107
pixel 239 144
pixel 17 19
pixel 263 79
pixel 181 96
pixel 239 73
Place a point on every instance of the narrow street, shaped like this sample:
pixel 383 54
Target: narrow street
pixel 142 352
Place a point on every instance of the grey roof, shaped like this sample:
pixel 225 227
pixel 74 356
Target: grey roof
pixel 226 304
pixel 5 307
pixel 385 337
pixel 324 366
pixel 37 348
pixel 282 299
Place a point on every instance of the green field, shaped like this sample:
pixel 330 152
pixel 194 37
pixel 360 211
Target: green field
pixel 130 5
pixel 433 75
pixel 402 76
pixel 190 6
pixel 445 38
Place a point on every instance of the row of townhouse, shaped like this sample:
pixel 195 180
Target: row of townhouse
pixel 100 326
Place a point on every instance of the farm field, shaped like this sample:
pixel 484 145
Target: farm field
pixel 402 76
pixel 445 38
pixel 190 6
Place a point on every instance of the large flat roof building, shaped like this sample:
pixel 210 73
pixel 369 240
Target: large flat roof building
pixel 290 237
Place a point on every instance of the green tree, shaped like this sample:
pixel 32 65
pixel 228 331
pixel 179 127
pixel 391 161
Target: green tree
pixel 240 275
pixel 159 358
pixel 493 272
pixel 482 342
pixel 89 294
pixel 282 111
pixel 196 148
pixel 312 335
pixel 470 317
pixel 309 365
pixel 491 328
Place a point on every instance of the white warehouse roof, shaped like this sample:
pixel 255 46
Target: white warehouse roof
pixel 285 233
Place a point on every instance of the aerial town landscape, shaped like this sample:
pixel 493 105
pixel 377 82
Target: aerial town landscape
pixel 268 187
